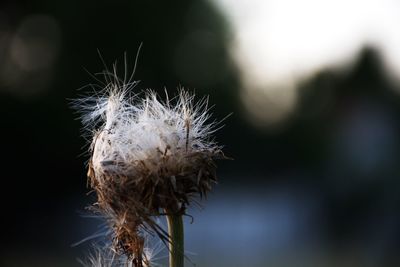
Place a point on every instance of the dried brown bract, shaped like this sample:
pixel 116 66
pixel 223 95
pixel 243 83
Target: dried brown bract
pixel 148 158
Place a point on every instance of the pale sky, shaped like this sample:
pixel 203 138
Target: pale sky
pixel 278 42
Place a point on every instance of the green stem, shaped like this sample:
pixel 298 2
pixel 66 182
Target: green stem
pixel 176 240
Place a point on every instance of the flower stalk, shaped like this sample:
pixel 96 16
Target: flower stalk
pixel 176 240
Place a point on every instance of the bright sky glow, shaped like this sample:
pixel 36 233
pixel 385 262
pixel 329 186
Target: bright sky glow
pixel 278 42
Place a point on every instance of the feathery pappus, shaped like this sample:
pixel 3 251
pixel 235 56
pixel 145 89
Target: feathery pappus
pixel 148 158
pixel 106 257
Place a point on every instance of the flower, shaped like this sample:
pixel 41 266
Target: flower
pixel 148 157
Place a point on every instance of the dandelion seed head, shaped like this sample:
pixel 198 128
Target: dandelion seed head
pixel 147 157
pixel 149 132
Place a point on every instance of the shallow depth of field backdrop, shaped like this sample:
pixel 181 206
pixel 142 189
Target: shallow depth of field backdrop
pixel 315 131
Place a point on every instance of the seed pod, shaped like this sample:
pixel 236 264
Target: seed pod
pixel 148 158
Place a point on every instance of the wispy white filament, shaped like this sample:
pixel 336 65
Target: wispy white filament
pixel 147 156
pixel 131 129
pixel 104 257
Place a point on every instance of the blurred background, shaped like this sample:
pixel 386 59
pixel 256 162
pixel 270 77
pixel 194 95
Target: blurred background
pixel 314 88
